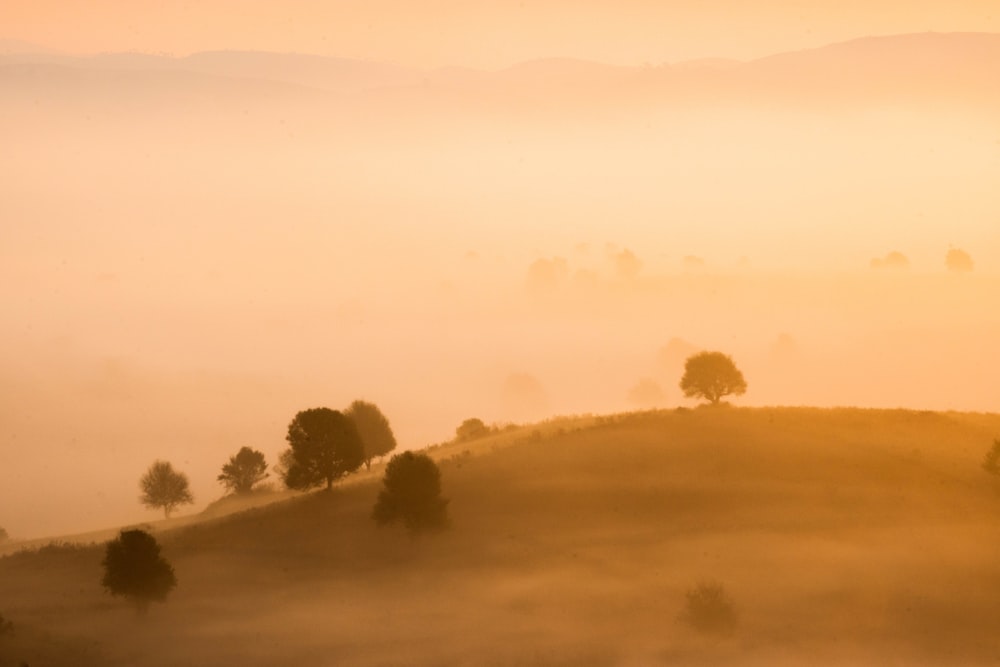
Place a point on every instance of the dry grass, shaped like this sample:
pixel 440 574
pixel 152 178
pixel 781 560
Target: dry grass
pixel 842 537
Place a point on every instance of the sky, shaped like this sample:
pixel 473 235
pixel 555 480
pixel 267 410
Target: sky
pixel 484 33
pixel 188 257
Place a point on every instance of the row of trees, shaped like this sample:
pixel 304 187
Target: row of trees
pixel 324 445
pixel 135 569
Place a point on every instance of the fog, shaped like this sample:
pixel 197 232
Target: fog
pixel 193 250
pixel 844 536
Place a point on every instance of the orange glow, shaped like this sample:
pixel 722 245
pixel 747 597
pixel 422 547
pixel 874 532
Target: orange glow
pixel 482 34
pixel 193 249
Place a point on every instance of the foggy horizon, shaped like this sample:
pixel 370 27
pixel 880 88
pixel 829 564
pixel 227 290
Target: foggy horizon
pixel 10 46
pixel 264 234
pixel 533 246
pixel 549 333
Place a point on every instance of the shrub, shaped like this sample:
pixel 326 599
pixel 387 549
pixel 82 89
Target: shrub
pixel 709 610
pixel 134 569
pixel 471 429
pixel 411 494
pixel 991 463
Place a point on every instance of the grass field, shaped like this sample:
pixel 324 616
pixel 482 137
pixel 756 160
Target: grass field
pixel 861 537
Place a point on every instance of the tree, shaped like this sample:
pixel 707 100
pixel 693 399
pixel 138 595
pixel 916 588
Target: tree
pixel 712 375
pixel 893 260
pixel 471 429
pixel 162 486
pixel 325 446
pixel 411 493
pixel 3 536
pixel 958 261
pixel 373 427
pixel 244 470
pixel 991 463
pixel 709 610
pixel 134 569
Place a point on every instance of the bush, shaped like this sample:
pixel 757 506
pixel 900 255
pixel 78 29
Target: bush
pixel 991 463
pixel 5 625
pixel 134 569
pixel 709 610
pixel 411 494
pixel 471 429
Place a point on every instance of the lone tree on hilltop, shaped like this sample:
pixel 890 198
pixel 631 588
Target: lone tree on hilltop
pixel 712 375
pixel 244 470
pixel 162 486
pixel 991 463
pixel 134 569
pixel 411 493
pixel 325 446
pixel 373 427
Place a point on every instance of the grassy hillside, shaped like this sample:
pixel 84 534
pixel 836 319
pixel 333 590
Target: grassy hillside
pixel 843 536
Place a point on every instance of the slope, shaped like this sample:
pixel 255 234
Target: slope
pixel 843 536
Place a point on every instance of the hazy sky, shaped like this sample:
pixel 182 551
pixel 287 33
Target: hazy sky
pixel 486 33
pixel 189 256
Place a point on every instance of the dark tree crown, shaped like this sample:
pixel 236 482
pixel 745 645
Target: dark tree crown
pixel 470 429
pixel 373 427
pixel 411 494
pixel 244 470
pixel 324 446
pixel 991 463
pixel 712 375
pixel 164 487
pixel 134 569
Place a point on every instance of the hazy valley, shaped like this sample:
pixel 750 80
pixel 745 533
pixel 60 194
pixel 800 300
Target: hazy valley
pixel 841 535
pixel 194 248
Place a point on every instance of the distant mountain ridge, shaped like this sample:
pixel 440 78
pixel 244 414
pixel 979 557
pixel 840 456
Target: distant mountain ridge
pixel 968 57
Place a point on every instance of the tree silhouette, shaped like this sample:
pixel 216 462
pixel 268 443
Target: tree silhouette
pixel 325 446
pixel 958 261
pixel 411 494
pixel 162 486
pixel 134 569
pixel 373 427
pixel 471 429
pixel 991 463
pixel 712 375
pixel 3 536
pixel 709 610
pixel 244 470
pixel 893 260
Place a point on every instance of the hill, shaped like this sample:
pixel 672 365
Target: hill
pixel 844 537
pixel 951 68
